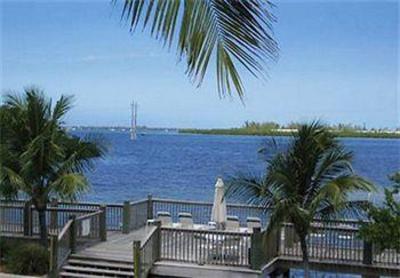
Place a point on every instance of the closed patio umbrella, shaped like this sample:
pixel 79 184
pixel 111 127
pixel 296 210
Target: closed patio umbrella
pixel 218 213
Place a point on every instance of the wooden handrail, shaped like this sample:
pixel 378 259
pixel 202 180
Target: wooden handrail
pixel 146 252
pixel 191 202
pixel 64 229
pixel 141 201
pixel 114 205
pixel 70 209
pixel 11 206
pixel 86 216
pixel 13 200
pixel 327 227
pixel 148 236
pixel 215 232
pixel 347 221
pixel 89 204
pixel 162 200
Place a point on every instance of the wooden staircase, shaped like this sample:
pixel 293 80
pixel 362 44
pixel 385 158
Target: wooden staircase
pixel 90 267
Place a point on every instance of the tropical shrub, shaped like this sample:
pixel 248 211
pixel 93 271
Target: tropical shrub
pixel 28 259
pixel 383 230
pixel 4 248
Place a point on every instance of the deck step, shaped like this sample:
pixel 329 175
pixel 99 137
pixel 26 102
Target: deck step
pixel 95 266
pixel 93 270
pixel 94 257
pixel 101 264
pixel 79 275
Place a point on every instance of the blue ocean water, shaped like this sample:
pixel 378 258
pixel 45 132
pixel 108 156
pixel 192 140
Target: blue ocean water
pixel 186 166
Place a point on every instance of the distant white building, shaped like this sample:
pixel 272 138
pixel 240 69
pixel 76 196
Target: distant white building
pixel 288 130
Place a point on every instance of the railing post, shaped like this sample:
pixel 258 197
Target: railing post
pixel 103 223
pixel 53 264
pixel 367 253
pixel 126 217
pixel 278 239
pixel 273 243
pixel 256 251
pixel 72 235
pixel 149 206
pixel 28 225
pixel 53 214
pixel 136 259
pixel 157 223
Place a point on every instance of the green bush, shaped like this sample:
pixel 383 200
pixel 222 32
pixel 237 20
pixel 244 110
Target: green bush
pixel 5 247
pixel 29 258
pixel 384 228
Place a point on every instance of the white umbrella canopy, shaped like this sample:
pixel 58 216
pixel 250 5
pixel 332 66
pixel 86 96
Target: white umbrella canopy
pixel 218 213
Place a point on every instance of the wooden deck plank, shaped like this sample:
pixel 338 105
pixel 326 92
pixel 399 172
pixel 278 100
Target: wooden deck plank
pixel 104 264
pixel 117 247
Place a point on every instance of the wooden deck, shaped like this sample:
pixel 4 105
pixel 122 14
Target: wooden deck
pixel 90 240
pixel 281 264
pixel 118 246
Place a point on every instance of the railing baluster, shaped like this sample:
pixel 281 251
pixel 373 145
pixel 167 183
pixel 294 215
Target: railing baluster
pixel 336 241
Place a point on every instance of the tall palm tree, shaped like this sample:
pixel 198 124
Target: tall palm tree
pixel 312 178
pixel 38 157
pixel 233 34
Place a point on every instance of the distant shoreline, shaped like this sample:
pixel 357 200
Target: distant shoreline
pixel 242 131
pixel 239 131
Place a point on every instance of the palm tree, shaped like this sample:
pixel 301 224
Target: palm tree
pixel 39 158
pixel 383 229
pixel 312 178
pixel 232 34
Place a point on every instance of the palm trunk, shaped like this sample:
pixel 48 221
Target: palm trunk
pixel 304 250
pixel 43 227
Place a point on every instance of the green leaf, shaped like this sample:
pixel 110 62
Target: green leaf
pixel 236 34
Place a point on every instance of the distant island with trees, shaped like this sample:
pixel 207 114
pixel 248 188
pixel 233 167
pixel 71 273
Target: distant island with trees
pixel 275 129
pixel 250 128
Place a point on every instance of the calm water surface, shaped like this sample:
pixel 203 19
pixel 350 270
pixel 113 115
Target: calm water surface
pixel 186 166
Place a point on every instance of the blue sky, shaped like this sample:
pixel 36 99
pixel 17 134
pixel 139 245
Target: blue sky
pixel 338 62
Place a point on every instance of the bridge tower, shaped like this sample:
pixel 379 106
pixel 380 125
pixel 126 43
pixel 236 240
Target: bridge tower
pixel 134 108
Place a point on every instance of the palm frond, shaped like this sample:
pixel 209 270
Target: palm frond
pixel 11 183
pixel 14 100
pixel 344 184
pixel 79 153
pixel 333 197
pixel 69 186
pixel 250 189
pixel 38 108
pixel 235 33
pixel 333 163
pixel 353 209
pixel 62 106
